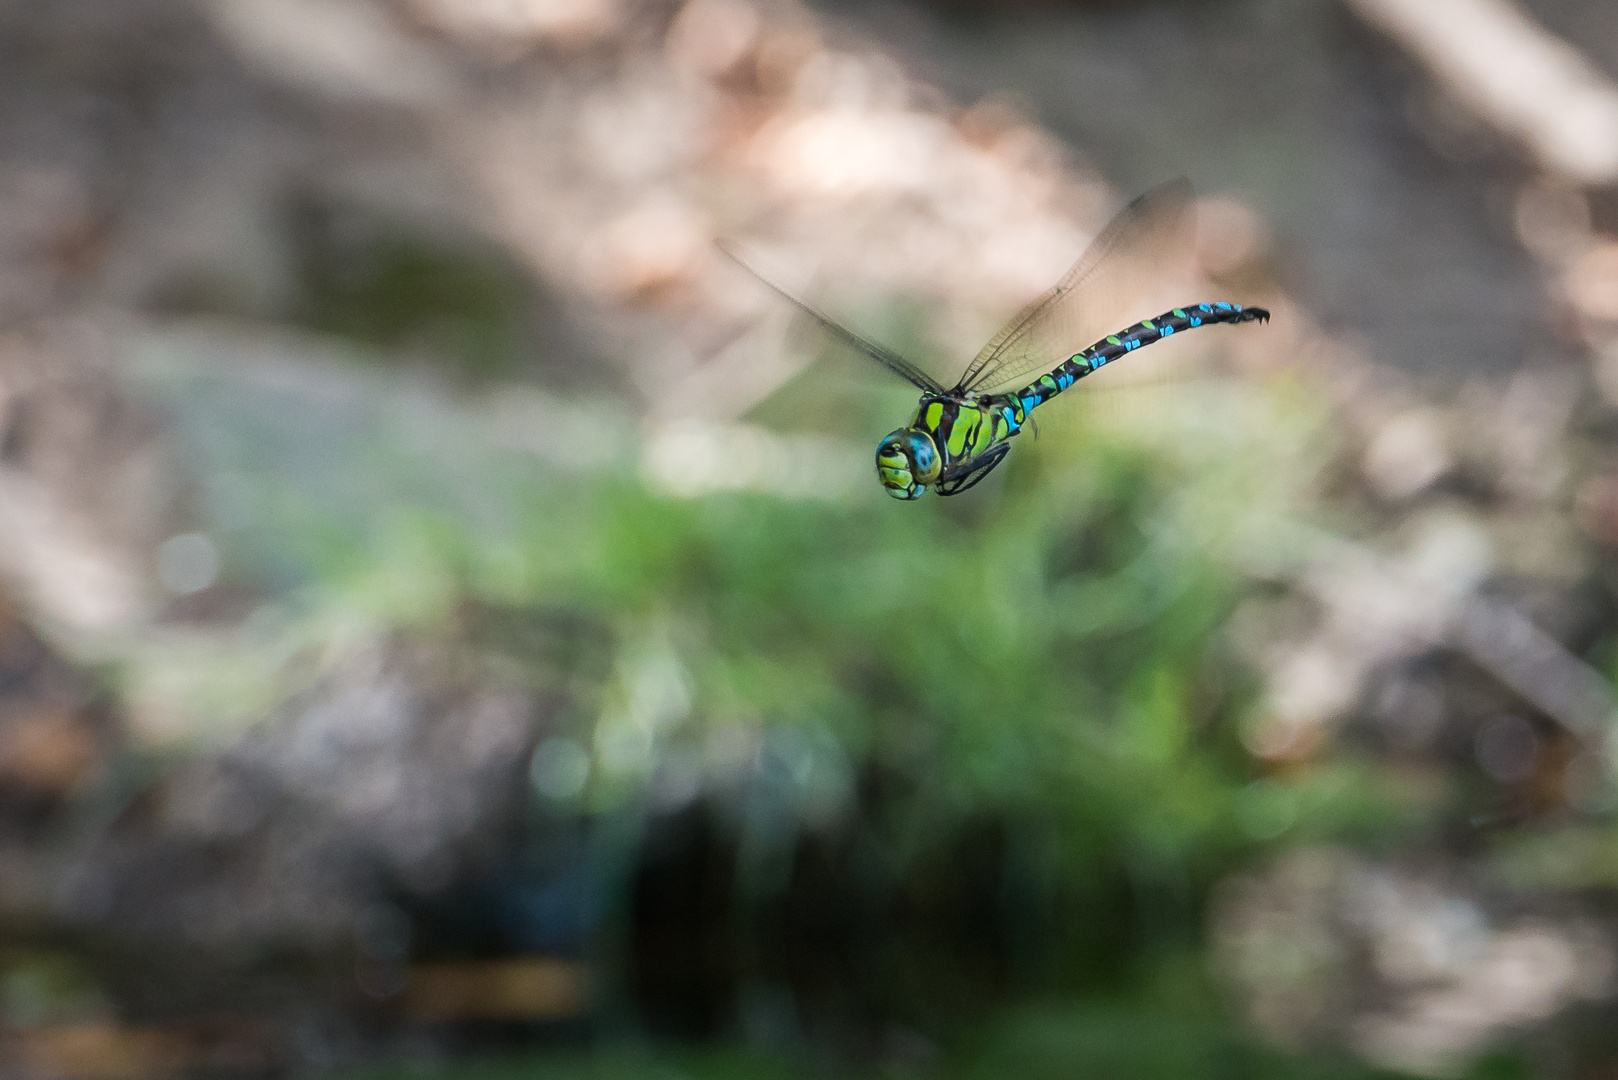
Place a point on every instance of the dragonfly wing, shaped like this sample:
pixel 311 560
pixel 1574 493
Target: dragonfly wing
pixel 886 357
pixel 1097 295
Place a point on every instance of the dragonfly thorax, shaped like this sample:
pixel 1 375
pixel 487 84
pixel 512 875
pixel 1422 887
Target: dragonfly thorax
pixel 906 462
pixel 960 434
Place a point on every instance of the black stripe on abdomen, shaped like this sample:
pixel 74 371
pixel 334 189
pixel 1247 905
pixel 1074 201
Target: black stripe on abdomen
pixel 1127 341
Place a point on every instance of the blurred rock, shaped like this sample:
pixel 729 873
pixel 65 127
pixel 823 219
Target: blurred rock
pixel 344 51
pixel 55 738
pixel 86 485
pixel 1406 455
pixel 1445 975
pixel 394 772
pixel 1592 284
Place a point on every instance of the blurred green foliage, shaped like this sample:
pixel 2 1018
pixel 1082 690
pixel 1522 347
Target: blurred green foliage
pixel 1042 663
pixel 1044 1043
pixel 465 306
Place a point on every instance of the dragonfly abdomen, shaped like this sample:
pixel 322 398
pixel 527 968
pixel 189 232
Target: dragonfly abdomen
pixel 1127 341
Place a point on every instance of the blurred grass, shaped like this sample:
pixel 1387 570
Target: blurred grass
pixel 1042 664
pixel 1049 1043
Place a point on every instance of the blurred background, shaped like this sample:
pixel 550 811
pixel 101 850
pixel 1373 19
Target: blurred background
pixel 449 625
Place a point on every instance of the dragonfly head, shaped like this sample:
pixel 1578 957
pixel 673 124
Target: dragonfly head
pixel 906 462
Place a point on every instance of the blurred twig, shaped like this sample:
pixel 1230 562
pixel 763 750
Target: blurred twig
pixel 1519 77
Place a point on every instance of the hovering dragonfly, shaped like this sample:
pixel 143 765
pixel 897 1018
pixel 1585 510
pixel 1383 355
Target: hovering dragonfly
pixel 960 434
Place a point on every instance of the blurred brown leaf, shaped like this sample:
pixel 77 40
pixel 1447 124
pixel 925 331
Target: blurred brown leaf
pixel 96 1051
pixel 527 988
pixel 45 749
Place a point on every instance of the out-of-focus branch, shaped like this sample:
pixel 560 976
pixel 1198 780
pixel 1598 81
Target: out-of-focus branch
pixel 1516 75
pixel 1535 665
pixel 1379 607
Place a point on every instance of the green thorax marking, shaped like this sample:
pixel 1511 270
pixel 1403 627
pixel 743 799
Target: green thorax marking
pixel 965 426
pixel 964 429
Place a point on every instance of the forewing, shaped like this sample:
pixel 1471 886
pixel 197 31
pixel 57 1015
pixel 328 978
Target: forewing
pixel 1098 295
pixel 886 357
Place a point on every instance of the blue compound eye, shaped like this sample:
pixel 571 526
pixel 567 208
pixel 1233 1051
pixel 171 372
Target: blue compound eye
pixel 919 451
pixel 906 462
pixel 922 452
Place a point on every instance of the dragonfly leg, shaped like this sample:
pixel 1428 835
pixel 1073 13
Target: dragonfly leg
pixel 973 471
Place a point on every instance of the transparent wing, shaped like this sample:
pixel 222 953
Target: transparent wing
pixel 1098 295
pixel 886 357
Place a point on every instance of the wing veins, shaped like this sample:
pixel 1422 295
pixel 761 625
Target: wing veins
pixel 895 363
pixel 1161 208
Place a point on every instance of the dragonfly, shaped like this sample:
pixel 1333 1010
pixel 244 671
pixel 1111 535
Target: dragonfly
pixel 961 433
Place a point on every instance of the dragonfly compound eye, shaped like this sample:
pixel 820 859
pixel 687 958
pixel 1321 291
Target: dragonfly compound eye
pixel 906 462
pixel 1030 360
